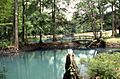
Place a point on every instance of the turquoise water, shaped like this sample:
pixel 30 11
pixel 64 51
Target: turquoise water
pixel 44 64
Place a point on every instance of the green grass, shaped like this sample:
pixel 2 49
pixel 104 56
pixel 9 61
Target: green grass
pixel 113 40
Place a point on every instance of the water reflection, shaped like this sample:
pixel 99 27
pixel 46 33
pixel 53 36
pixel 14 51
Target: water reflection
pixel 41 64
pixel 3 72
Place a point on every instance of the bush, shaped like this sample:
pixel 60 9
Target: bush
pixel 4 43
pixel 106 65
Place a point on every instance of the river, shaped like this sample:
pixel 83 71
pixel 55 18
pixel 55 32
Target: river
pixel 42 64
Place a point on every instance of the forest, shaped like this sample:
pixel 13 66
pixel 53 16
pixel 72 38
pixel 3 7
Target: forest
pixel 20 19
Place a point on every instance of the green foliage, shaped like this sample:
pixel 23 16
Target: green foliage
pixel 40 22
pixel 32 8
pixel 95 13
pixel 105 65
pixel 6 10
pixel 38 19
pixel 4 43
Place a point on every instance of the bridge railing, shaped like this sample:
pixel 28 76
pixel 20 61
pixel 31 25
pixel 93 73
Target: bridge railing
pixel 83 37
pixel 76 38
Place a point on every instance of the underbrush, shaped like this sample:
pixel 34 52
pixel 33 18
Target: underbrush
pixel 4 43
pixel 107 66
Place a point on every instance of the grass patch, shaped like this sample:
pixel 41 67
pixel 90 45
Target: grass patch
pixel 113 40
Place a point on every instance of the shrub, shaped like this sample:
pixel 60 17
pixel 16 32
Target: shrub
pixel 106 65
pixel 4 43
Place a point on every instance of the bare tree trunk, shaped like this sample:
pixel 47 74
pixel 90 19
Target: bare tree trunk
pixel 71 67
pixel 23 21
pixel 53 19
pixel 93 23
pixel 118 26
pixel 113 25
pixel 25 27
pixel 92 18
pixel 115 21
pixel 119 19
pixel 119 30
pixel 16 24
pixel 40 10
pixel 101 10
pixel 94 28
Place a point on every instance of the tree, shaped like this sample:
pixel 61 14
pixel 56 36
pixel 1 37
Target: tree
pixel 23 21
pixel 92 16
pixel 113 18
pixel 40 10
pixel 16 24
pixel 88 12
pixel 53 19
pixel 101 7
pixel 119 18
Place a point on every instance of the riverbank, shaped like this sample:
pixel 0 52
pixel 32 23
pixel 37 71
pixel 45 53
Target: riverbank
pixel 51 45
pixel 39 46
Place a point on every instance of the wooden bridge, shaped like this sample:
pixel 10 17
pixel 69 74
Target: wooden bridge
pixel 83 39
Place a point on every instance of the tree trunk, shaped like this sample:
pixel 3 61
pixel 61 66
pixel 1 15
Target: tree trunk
pixel 23 21
pixel 40 37
pixel 92 18
pixel 94 29
pixel 8 34
pixel 115 20
pixel 71 67
pixel 94 24
pixel 119 19
pixel 113 25
pixel 16 24
pixel 101 10
pixel 25 27
pixel 53 20
pixel 40 10
pixel 118 26
pixel 5 34
pixel 119 29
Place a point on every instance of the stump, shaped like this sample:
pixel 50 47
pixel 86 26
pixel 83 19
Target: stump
pixel 71 69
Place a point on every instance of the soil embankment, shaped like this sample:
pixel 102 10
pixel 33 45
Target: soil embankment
pixel 52 45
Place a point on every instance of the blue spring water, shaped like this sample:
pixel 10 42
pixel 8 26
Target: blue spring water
pixel 44 64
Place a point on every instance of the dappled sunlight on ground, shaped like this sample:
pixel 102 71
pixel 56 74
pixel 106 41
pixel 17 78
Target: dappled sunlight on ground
pixel 113 40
